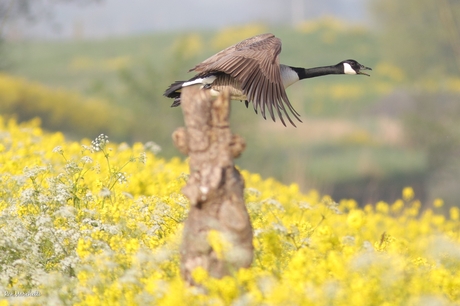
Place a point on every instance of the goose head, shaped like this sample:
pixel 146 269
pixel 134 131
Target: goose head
pixel 353 67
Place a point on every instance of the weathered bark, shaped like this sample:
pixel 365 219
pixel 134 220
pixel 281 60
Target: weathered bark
pixel 215 187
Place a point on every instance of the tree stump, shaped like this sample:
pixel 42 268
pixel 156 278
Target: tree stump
pixel 218 232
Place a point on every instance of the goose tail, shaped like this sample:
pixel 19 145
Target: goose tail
pixel 174 89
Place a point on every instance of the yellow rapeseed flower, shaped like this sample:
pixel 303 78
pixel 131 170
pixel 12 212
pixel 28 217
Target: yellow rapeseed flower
pixel 408 193
pixel 199 275
pixel 454 213
pixel 382 207
pixel 438 203
pixel 356 219
pixel 219 243
pixel 94 240
pixel 397 206
pixel 132 246
pixel 83 247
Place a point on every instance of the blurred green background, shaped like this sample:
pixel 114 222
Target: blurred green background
pixel 362 138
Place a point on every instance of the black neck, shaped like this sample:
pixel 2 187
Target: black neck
pixel 316 72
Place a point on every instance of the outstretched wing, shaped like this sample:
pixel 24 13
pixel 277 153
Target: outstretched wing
pixel 254 63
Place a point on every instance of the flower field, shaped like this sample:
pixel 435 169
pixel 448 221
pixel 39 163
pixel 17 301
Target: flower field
pixel 97 223
pixel 25 100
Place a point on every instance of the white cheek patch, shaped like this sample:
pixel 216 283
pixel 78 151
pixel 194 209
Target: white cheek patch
pixel 347 69
pixel 204 81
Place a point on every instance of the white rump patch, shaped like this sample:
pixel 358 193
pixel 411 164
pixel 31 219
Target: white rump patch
pixel 347 69
pixel 204 81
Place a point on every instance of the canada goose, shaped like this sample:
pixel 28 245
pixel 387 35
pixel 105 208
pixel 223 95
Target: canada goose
pixel 252 73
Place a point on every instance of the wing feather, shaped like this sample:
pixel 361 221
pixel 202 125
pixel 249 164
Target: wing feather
pixel 254 63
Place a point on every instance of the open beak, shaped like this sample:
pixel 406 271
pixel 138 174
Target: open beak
pixel 361 67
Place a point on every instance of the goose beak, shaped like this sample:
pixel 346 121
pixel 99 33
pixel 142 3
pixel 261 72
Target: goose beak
pixel 362 67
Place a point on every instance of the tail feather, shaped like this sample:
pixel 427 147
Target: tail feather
pixel 176 102
pixel 173 90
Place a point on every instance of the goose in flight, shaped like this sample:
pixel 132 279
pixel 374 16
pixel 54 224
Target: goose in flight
pixel 251 71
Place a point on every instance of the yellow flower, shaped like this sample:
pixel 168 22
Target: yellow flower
pixel 397 206
pixel 226 288
pixel 408 193
pixel 454 213
pixel 132 246
pixel 356 219
pixel 438 203
pixel 382 207
pixel 175 295
pixel 199 275
pixel 420 261
pixel 83 247
pixel 219 243
pixel 309 250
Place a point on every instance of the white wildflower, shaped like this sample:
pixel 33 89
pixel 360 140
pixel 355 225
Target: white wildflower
pixel 306 242
pixel 368 246
pixel 61 193
pixel 43 199
pixel 72 168
pixel 152 147
pixel 99 143
pixel 274 203
pixel 33 172
pixel 87 160
pixel 304 205
pixel 334 207
pixel 43 221
pixel 97 168
pixel 279 228
pixel 258 232
pixel 348 240
pixel 253 192
pixel 58 150
pixel 105 192
pixel 86 148
pixel 92 222
pixel 123 147
pixel 128 195
pixel 121 177
pixel 88 196
pixel 110 228
pixel 69 262
pixel 19 180
pixel 27 196
pixel 66 211
pixel 143 158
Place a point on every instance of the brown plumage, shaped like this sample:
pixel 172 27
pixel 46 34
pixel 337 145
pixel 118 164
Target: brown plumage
pixel 254 63
pixel 251 71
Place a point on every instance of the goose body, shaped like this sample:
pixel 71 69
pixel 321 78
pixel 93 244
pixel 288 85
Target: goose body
pixel 251 71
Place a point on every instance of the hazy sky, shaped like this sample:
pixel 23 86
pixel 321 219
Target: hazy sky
pixel 124 17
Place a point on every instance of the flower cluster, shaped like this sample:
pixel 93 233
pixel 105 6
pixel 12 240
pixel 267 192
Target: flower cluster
pixel 87 227
pixel 99 143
